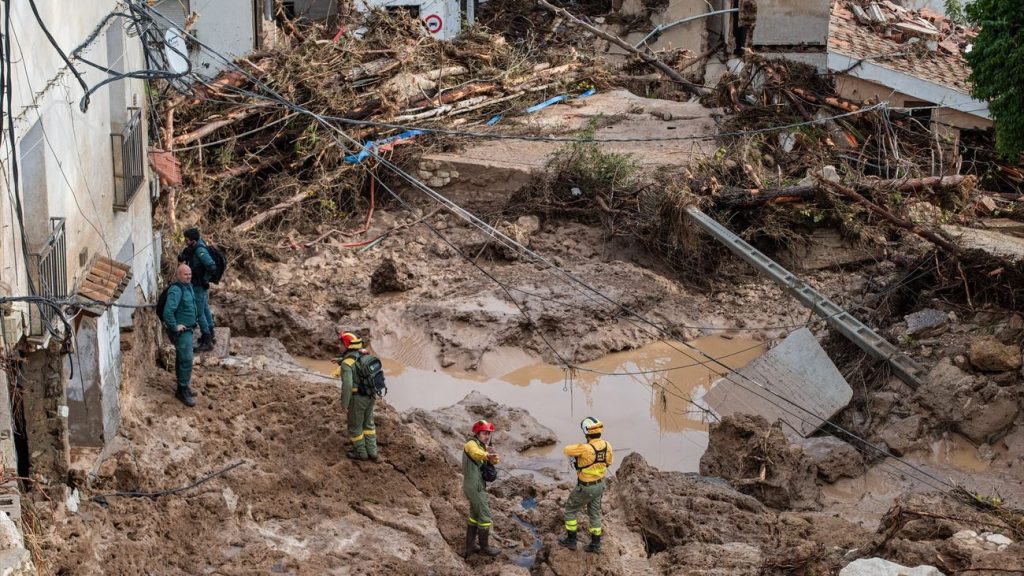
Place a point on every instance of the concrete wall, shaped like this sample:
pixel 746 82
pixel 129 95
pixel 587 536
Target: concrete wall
pixel 228 27
pixel 690 36
pixel 861 90
pixel 71 172
pixel 792 22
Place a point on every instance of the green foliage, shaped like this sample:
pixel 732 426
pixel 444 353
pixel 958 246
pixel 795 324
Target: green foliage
pixel 586 166
pixel 997 67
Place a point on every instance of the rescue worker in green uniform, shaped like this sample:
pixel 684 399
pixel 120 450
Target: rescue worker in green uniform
pixel 474 454
pixel 591 461
pixel 358 402
pixel 197 256
pixel 179 317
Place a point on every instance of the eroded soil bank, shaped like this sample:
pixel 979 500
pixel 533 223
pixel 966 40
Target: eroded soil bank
pixel 296 505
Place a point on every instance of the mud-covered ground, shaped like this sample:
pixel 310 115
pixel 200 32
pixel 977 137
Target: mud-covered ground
pixel 296 506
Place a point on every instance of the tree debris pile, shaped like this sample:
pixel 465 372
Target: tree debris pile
pixel 251 161
pixel 794 157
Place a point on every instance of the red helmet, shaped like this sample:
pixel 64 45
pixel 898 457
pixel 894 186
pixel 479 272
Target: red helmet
pixel 482 425
pixel 350 340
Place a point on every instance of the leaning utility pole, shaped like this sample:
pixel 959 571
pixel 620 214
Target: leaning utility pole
pixel 856 331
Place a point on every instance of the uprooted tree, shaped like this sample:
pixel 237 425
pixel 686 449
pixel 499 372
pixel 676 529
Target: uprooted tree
pixel 996 66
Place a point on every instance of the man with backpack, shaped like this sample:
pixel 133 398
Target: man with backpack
pixel 362 381
pixel 477 469
pixel 179 316
pixel 200 258
pixel 591 461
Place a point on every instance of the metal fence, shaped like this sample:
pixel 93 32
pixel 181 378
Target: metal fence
pixel 129 156
pixel 51 276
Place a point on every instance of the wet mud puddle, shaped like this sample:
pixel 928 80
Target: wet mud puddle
pixel 527 557
pixel 650 399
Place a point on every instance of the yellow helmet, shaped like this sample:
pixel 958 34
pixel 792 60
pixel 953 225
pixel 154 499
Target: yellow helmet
pixel 350 341
pixel 591 425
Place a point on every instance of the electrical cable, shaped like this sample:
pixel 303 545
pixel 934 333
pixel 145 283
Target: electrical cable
pixel 42 25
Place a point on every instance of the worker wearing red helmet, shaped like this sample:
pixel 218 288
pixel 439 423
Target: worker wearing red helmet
pixel 475 454
pixel 361 429
pixel 591 461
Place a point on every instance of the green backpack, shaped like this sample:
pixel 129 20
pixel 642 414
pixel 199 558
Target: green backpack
pixel 370 375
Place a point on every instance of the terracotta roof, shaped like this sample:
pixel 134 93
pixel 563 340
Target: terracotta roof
pixel 105 282
pixel 935 55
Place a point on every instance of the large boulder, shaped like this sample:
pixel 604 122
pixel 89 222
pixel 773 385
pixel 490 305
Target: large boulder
pixel 971 404
pixel 391 277
pixel 757 459
pixel 834 458
pixel 991 355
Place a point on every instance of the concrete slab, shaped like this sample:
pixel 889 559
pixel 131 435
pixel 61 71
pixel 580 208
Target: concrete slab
pixel 1004 246
pixel 798 370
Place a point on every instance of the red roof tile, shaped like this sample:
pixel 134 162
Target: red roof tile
pixel 850 38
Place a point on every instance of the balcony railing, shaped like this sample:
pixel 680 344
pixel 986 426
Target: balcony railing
pixel 129 157
pixel 50 276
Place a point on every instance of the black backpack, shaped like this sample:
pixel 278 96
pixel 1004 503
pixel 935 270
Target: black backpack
pixel 370 375
pixel 221 260
pixel 161 302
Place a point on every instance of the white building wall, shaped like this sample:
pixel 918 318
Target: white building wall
pixel 78 161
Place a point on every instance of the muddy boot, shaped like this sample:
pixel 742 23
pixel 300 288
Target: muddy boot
pixel 483 535
pixel 353 455
pixel 375 457
pixel 569 541
pixel 185 395
pixel 213 335
pixel 471 546
pixel 205 343
pixel 595 544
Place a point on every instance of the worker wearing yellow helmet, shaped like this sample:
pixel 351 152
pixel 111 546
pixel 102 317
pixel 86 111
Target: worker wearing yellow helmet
pixel 591 461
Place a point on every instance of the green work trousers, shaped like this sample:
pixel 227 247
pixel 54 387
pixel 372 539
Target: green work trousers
pixel 183 358
pixel 589 497
pixel 479 509
pixel 361 429
pixel 203 314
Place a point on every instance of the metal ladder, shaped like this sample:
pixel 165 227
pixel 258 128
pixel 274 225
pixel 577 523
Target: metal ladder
pixel 856 331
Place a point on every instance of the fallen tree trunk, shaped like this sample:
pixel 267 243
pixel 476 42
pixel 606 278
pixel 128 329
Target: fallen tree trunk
pixel 885 214
pixel 455 95
pixel 648 58
pixel 231 118
pixel 749 197
pixel 276 209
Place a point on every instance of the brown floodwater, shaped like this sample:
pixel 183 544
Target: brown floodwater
pixel 650 398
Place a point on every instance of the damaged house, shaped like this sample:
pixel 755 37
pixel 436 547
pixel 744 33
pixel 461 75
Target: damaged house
pixel 879 52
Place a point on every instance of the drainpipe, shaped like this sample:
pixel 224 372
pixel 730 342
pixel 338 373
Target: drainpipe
pixel 662 27
pixel 470 12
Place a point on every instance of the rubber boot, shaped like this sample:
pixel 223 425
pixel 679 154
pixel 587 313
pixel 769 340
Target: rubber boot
pixel 569 541
pixel 205 343
pixel 213 335
pixel 185 395
pixel 595 544
pixel 483 535
pixel 471 530
pixel 353 455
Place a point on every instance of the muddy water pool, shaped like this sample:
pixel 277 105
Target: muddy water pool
pixel 649 398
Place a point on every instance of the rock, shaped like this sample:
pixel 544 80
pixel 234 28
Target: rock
pixel 515 429
pixel 757 459
pixel 998 539
pixel 991 355
pixel 993 410
pixel 965 535
pixel 880 567
pixel 903 435
pixel 672 508
pixel 926 323
pixel 10 536
pixel 834 458
pixel 391 277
